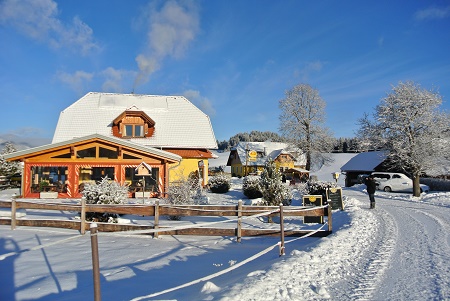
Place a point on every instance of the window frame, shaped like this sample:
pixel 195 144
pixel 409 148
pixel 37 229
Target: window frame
pixel 133 126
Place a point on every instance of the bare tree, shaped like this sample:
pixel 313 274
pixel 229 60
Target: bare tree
pixel 410 125
pixel 302 122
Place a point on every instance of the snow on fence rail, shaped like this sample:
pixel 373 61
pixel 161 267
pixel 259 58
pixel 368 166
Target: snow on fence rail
pixel 157 210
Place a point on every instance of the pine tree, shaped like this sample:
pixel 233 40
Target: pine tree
pixel 8 168
pixel 273 190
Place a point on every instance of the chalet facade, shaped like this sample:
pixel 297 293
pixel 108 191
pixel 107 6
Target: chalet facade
pixel 250 158
pixel 105 134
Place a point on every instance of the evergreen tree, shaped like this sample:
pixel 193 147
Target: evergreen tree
pixel 274 192
pixel 8 168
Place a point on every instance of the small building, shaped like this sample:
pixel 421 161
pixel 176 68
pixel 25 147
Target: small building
pixel 108 134
pixel 251 157
pixel 363 163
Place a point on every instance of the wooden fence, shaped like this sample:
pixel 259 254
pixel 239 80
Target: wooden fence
pixel 157 210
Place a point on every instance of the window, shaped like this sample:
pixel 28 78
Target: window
pixel 107 153
pixel 87 153
pixel 49 178
pixel 133 130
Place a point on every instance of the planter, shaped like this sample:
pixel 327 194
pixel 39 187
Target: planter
pixel 48 194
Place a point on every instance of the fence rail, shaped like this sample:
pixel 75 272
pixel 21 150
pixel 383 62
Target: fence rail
pixel 157 210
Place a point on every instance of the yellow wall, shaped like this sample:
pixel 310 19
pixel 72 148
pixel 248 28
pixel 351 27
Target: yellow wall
pixel 185 168
pixel 239 170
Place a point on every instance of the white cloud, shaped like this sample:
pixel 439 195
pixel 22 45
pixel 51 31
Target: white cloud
pixel 203 103
pixel 170 30
pixel 309 68
pixel 116 79
pixel 432 13
pixel 77 80
pixel 38 19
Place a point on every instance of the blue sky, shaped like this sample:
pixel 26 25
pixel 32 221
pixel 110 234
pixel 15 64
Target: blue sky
pixel 233 59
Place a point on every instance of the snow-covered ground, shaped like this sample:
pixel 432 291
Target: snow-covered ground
pixel 399 251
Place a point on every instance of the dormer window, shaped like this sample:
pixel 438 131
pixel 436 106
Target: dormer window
pixel 133 130
pixel 133 123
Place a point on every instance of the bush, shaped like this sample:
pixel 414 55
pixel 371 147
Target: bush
pixel 219 184
pixel 319 188
pixel 251 187
pixel 185 192
pixel 104 192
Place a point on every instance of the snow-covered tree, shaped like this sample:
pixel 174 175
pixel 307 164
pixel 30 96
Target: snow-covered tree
pixel 104 192
pixel 409 123
pixel 274 192
pixel 8 168
pixel 302 122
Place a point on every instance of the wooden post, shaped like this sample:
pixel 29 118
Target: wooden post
pixel 83 216
pixel 95 262
pixel 281 231
pixel 330 220
pixel 156 219
pixel 239 222
pixel 13 214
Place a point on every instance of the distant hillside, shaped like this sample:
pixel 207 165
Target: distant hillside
pixel 21 143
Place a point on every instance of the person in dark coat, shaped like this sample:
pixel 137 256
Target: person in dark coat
pixel 371 187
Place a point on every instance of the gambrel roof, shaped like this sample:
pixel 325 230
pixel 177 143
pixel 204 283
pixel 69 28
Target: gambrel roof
pixel 177 122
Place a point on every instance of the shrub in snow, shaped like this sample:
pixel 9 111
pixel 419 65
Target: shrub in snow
pixel 273 190
pixel 104 192
pixel 185 192
pixel 219 184
pixel 251 187
pixel 319 188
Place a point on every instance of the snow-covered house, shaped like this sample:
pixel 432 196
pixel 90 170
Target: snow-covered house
pixel 106 134
pixel 251 157
pixel 363 163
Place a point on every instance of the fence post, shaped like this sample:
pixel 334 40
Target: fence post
pixel 13 214
pixel 239 222
pixel 83 216
pixel 95 262
pixel 330 219
pixel 156 219
pixel 281 230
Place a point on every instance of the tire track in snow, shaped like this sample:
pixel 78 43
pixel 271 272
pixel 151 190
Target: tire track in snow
pixel 421 257
pixel 380 258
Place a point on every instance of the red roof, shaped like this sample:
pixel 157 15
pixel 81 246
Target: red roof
pixel 192 153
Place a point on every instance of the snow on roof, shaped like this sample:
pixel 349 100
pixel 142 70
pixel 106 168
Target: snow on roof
pixel 365 161
pixel 150 150
pixel 178 123
pixel 268 149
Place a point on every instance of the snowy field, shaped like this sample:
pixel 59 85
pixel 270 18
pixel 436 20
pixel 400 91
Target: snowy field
pixel 399 251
